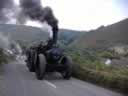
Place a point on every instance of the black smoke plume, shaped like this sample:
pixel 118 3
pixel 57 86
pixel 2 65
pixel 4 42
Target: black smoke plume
pixel 4 6
pixel 29 8
pixel 34 10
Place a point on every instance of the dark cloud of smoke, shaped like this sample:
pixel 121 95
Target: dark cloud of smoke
pixel 4 6
pixel 34 10
pixel 28 9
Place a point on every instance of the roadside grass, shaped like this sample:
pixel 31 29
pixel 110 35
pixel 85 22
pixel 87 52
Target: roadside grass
pixel 3 57
pixel 3 60
pixel 88 67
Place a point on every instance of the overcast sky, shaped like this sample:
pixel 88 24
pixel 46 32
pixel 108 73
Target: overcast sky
pixel 87 14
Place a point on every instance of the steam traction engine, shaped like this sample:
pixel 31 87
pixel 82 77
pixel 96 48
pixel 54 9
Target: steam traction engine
pixel 42 58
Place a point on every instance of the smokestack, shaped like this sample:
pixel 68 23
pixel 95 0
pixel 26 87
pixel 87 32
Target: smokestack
pixel 34 10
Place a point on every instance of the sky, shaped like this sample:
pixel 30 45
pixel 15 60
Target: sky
pixel 86 14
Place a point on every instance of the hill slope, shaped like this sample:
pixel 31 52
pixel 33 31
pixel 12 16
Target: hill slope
pixel 27 33
pixel 67 36
pixel 114 34
pixel 21 32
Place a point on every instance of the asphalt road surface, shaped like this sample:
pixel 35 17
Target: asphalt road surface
pixel 18 81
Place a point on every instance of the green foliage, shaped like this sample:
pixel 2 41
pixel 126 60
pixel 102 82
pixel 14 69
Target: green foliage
pixel 106 54
pixel 3 57
pixel 106 79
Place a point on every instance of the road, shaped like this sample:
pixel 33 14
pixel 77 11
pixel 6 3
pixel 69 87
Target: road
pixel 18 81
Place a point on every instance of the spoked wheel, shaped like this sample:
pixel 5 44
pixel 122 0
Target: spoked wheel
pixel 67 61
pixel 40 67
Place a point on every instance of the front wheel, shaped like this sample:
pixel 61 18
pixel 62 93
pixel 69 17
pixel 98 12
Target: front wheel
pixel 40 67
pixel 67 61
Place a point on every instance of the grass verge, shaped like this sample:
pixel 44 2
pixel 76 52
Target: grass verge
pixel 89 68
pixel 114 81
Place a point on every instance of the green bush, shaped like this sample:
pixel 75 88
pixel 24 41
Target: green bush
pixel 106 54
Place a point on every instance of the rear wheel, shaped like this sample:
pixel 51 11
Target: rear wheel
pixel 68 68
pixel 30 64
pixel 40 67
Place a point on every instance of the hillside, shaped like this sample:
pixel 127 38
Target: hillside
pixel 27 33
pixel 115 34
pixel 67 36
pixel 21 32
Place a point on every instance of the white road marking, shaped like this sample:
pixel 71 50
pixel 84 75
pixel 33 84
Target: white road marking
pixel 49 83
pixel 23 85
